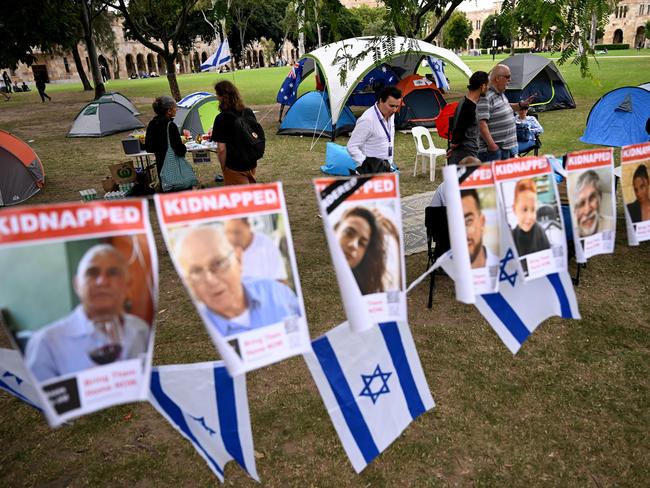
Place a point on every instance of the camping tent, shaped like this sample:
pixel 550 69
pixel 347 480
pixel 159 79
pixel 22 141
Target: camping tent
pixel 402 54
pixel 103 117
pixel 121 99
pixel 310 115
pixel 645 86
pixel 537 75
pixel 421 102
pixel 619 118
pixel 196 113
pixel 21 172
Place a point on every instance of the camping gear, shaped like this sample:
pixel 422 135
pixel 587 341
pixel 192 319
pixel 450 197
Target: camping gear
pixel 537 75
pixel 311 115
pixel 366 91
pixel 196 113
pixel 338 160
pixel 21 172
pixel 404 57
pixel 122 100
pixel 645 86
pixel 103 117
pixel 619 118
pixel 176 173
pixel 421 103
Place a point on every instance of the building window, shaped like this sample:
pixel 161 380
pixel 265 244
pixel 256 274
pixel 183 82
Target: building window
pixel 65 63
pixel 641 9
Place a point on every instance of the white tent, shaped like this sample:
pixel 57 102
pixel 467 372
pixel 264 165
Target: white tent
pixel 403 52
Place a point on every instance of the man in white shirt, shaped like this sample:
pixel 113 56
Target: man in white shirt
pixel 261 257
pixel 372 142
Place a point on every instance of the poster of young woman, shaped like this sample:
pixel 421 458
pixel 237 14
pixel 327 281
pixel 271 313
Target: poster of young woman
pixel 530 204
pixel 232 248
pixel 590 187
pixel 363 225
pixel 635 182
pixel 92 271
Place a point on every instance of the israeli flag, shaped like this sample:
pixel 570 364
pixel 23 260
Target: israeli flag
pixel 372 384
pixel 14 378
pixel 218 59
pixel 209 409
pixel 517 309
pixel 438 70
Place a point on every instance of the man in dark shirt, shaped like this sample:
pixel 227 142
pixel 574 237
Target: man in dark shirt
pixel 464 134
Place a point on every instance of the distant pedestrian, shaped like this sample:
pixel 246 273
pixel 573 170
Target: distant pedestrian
pixel 104 73
pixel 7 80
pixel 40 80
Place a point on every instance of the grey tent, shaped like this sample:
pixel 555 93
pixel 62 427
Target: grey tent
pixel 121 99
pixel 103 117
pixel 537 75
pixel 196 113
pixel 645 86
pixel 21 172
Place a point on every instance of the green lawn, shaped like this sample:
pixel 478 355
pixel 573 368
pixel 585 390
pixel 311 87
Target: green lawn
pixel 571 409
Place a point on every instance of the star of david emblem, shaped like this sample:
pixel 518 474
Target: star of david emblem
pixel 503 274
pixel 9 374
pixel 201 422
pixel 368 380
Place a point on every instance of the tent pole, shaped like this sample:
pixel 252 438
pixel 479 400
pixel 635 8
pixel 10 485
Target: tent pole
pixel 281 110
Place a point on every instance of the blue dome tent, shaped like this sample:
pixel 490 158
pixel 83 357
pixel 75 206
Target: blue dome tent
pixel 310 115
pixel 619 118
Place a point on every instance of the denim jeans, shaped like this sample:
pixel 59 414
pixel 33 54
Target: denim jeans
pixel 498 155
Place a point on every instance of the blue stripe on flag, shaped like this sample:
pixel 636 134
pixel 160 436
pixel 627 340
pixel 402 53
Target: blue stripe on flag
pixel 341 389
pixel 227 408
pixel 17 394
pixel 403 368
pixel 176 414
pixel 565 307
pixel 507 316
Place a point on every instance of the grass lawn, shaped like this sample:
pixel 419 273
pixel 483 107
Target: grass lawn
pixel 572 408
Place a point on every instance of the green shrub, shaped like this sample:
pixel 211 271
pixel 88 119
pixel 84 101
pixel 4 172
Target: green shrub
pixel 611 47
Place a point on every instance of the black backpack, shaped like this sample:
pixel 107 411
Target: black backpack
pixel 249 135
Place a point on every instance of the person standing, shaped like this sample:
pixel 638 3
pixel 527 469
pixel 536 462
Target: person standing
pixel 7 80
pixel 237 167
pixel 496 123
pixel 39 78
pixel 372 142
pixel 464 136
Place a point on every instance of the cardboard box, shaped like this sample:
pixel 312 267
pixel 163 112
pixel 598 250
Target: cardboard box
pixel 123 172
pixel 108 184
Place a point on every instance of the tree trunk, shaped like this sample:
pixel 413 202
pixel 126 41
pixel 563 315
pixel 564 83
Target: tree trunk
pixel 171 77
pixel 80 69
pixel 592 34
pixel 100 90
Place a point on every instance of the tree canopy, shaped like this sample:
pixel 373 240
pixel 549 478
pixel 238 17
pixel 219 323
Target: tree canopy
pixel 456 31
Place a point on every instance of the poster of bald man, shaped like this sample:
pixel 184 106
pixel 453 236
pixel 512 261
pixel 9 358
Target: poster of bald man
pixel 232 248
pixel 590 187
pixel 80 302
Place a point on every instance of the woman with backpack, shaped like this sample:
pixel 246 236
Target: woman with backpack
pixel 239 137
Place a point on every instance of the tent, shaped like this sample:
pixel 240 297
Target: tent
pixel 21 172
pixel 310 115
pixel 103 117
pixel 421 102
pixel 645 86
pixel 619 118
pixel 121 99
pixel 402 54
pixel 196 113
pixel 537 75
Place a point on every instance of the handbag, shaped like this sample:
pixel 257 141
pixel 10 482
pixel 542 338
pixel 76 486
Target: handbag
pixel 176 173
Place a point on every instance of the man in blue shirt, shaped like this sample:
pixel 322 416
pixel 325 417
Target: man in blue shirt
pixel 212 269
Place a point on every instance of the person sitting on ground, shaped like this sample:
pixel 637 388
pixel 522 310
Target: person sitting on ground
pixel 24 87
pixel 17 89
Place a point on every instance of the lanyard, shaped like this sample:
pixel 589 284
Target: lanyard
pixel 386 131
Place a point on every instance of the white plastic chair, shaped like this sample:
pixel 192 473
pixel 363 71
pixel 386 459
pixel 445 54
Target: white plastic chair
pixel 428 152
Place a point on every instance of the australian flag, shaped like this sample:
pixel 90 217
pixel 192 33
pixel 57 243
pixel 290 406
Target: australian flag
pixel 289 88
pixel 372 385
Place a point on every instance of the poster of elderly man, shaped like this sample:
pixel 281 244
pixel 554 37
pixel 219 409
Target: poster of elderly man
pixel 93 267
pixel 232 248
pixel 590 187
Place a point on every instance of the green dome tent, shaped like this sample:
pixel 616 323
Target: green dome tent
pixel 196 113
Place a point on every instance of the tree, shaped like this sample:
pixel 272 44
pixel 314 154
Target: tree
pixel 456 31
pixel 411 17
pixel 647 29
pixel 167 27
pixel 535 19
pixel 89 11
pixel 494 26
pixel 373 20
